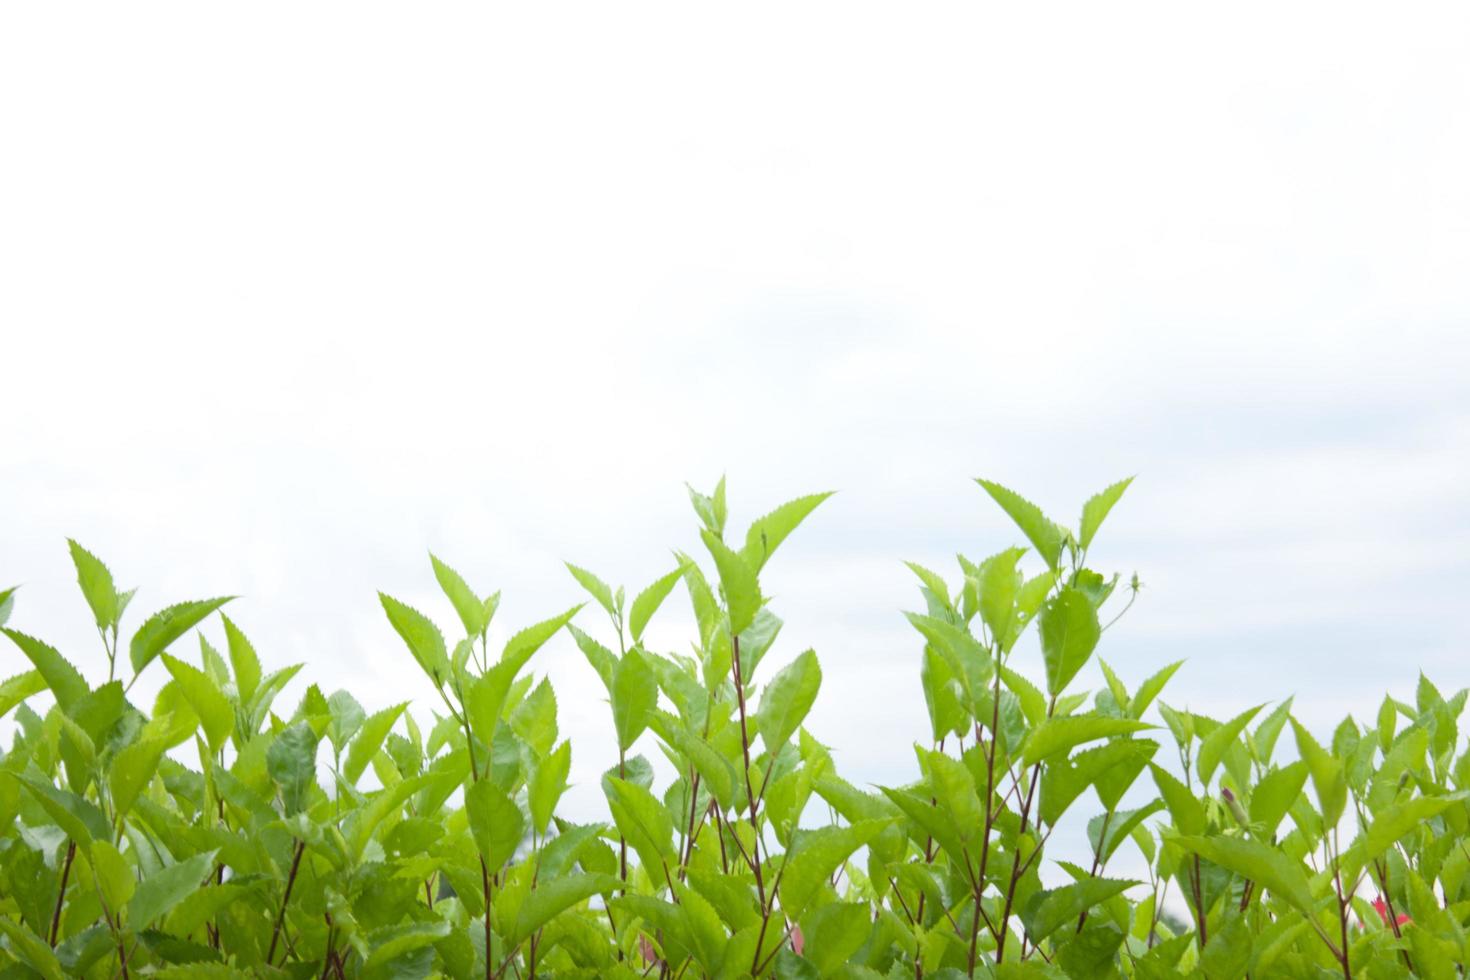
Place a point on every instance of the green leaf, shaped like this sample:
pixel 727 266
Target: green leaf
pixel 552 897
pixel 548 782
pixel 1151 689
pixel 30 949
pixel 648 601
pixel 1267 866
pixel 62 678
pixel 833 933
pixel 1273 795
pixel 131 770
pixel 596 588
pixel 787 699
pixel 634 696
pixel 716 771
pixel 815 856
pixel 215 712
pixel 1212 747
pixel 767 533
pixel 167 887
pixel 399 940
pixel 1056 735
pixel 953 786
pixel 947 714
pixel 1048 911
pixel 291 762
pixel 1096 509
pixel 1069 634
pixel 1000 584
pixel 14 690
pixel 96 583
pixel 737 580
pixel 519 648
pixel 1187 812
pixel 471 608
pixel 645 824
pixel 368 740
pixel 495 822
pixel 423 638
pixel 167 625
pixel 1328 776
pixel 1392 823
pixel 7 603
pixel 115 880
pixel 1045 536
pixel 78 818
pixel 242 660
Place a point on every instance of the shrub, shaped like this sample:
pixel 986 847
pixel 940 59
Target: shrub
pixel 118 858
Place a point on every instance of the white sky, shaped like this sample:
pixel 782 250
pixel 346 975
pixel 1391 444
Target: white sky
pixel 291 293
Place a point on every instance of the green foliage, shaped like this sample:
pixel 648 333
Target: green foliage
pixel 199 837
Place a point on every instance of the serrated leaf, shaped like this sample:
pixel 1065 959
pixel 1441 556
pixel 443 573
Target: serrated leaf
pixel 645 824
pixel 634 696
pixel 1187 812
pixel 1151 689
pixel 64 680
pixel 1274 794
pixel 648 601
pixel 548 782
pixel 166 626
pixel 738 582
pixel 1212 747
pixel 787 699
pixel 115 880
pixel 30 949
pixel 215 712
pixel 495 821
pixel 422 637
pixel 14 690
pixel 131 770
pixel 1069 634
pixel 1096 510
pixel 815 855
pixel 1056 735
pixel 78 818
pixel 1045 536
pixel 1048 911
pixel 1267 866
pixel 291 762
pixel 243 660
pixel 395 941
pixel 167 887
pixel 519 648
pixel 767 533
pixel 471 608
pixel 96 582
pixel 553 897
pixel 595 587
pixel 368 740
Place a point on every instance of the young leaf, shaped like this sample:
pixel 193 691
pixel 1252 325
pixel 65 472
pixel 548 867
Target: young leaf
pixel 368 740
pixel 167 625
pixel 470 608
pixel 61 677
pixel 291 762
pixel 596 588
pixel 213 708
pixel 131 770
pixel 548 782
pixel 96 583
pixel 738 580
pixel 423 638
pixel 1268 866
pixel 634 696
pixel 519 648
pixel 1187 812
pixel 814 858
pixel 1096 510
pixel 242 660
pixel 167 887
pixel 1212 747
pixel 551 898
pixel 648 601
pixel 1045 536
pixel 787 699
pixel 1057 735
pixel 767 533
pixel 495 822
pixel 1069 634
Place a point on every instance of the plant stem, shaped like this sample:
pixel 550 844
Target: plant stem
pixel 285 898
pixel 71 852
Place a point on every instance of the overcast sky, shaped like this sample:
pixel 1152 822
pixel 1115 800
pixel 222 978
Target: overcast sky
pixel 292 293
